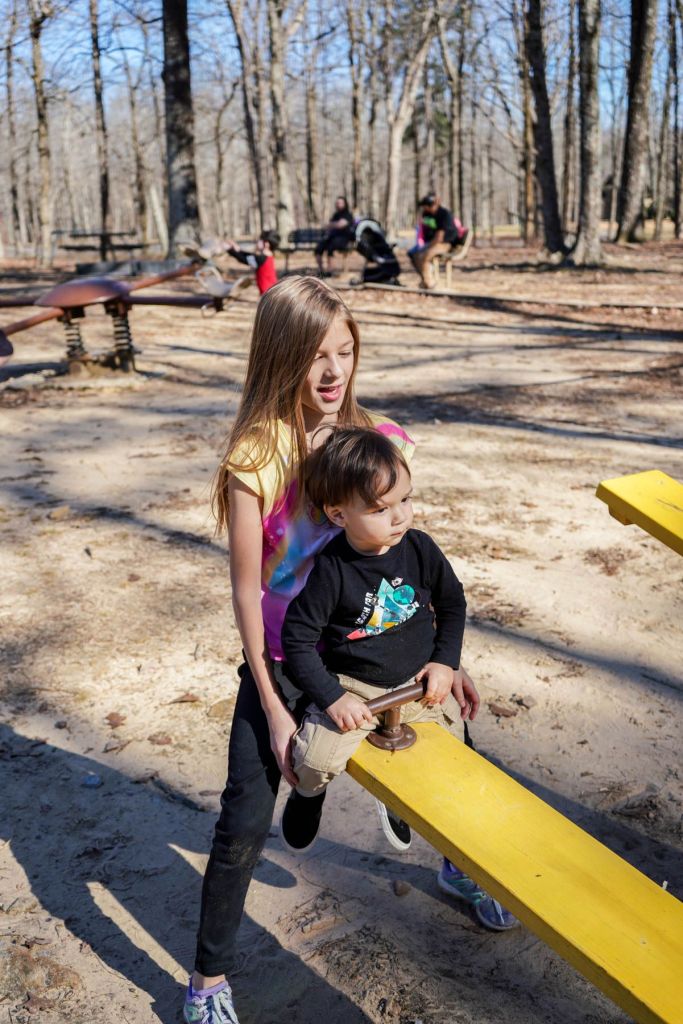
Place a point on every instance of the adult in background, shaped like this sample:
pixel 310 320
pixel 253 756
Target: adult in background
pixel 338 234
pixel 437 233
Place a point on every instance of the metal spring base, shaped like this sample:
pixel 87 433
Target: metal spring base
pixel 123 342
pixel 75 349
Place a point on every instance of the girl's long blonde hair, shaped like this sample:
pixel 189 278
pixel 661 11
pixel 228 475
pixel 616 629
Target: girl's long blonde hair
pixel 291 322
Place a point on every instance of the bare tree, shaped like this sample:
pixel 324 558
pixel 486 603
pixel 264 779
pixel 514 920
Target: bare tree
pixel 139 168
pixel 245 23
pixel 183 220
pixel 587 250
pixel 543 134
pixel 673 60
pixel 643 33
pixel 662 153
pixel 279 32
pixel 406 65
pixel 454 68
pixel 39 11
pixel 354 22
pixel 14 221
pixel 100 131
pixel 568 180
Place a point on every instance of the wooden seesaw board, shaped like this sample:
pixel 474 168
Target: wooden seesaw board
pixel 618 928
pixel 652 500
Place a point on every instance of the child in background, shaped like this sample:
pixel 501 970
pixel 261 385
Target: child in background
pixel 380 607
pixel 262 260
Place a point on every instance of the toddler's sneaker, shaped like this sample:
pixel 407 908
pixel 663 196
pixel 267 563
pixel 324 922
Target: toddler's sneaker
pixel 394 827
pixel 210 1005
pixel 300 821
pixel 488 911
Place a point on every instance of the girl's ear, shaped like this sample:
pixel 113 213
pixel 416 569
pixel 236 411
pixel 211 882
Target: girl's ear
pixel 335 515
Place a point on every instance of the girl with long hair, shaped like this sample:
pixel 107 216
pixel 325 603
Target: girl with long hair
pixel 300 378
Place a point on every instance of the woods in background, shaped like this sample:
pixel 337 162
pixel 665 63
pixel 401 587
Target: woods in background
pixel 141 123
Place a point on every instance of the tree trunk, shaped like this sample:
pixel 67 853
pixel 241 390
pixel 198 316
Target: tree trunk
pixel 587 250
pixel 398 117
pixel 14 219
pixel 543 132
pixel 100 132
pixel 453 166
pixel 568 180
pixel 247 70
pixel 430 141
pixel 354 55
pixel 643 34
pixel 312 143
pixel 284 210
pixel 676 140
pixel 454 71
pixel 183 219
pixel 529 197
pixel 38 15
pixel 474 171
pixel 662 155
pixel 139 173
pixel 417 159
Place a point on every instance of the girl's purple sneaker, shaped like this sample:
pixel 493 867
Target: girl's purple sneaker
pixel 210 1005
pixel 488 911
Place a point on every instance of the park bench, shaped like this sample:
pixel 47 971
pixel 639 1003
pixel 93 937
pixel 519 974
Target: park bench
pixel 306 240
pixel 613 924
pixel 77 241
pixel 652 500
pixel 444 264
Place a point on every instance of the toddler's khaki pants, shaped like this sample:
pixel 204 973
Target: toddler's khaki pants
pixel 320 750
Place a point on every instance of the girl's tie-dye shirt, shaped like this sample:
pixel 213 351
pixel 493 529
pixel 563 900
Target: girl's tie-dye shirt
pixel 292 536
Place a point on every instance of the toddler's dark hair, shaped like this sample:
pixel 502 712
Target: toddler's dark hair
pixel 272 238
pixel 353 461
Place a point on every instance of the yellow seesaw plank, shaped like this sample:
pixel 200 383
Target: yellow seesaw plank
pixel 652 500
pixel 619 929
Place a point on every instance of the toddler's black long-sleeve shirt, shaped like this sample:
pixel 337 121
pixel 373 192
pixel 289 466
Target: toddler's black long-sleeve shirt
pixel 377 618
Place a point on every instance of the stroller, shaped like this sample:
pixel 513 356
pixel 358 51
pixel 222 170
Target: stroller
pixel 382 266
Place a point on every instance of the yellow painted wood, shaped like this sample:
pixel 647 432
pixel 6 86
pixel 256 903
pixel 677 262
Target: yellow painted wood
pixel 619 929
pixel 652 500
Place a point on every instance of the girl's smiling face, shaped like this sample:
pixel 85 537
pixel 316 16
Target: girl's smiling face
pixel 328 377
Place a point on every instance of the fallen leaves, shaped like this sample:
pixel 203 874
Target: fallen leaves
pixel 500 710
pixel 160 739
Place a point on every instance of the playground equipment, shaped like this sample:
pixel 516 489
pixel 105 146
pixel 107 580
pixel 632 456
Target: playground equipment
pixel 613 924
pixel 652 500
pixel 67 303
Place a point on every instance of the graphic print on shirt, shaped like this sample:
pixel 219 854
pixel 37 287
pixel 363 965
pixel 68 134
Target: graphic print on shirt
pixel 393 604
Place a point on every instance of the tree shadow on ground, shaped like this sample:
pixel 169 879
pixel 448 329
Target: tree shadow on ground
pixel 509 406
pixel 111 873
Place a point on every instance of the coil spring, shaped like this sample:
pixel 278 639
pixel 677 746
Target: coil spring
pixel 74 341
pixel 123 339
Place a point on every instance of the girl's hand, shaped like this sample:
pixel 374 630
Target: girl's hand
pixel 348 713
pixel 282 727
pixel 439 682
pixel 465 692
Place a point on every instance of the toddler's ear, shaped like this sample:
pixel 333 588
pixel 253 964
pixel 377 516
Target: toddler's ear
pixel 335 515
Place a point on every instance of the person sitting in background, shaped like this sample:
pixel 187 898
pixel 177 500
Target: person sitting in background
pixel 437 234
pixel 262 260
pixel 338 234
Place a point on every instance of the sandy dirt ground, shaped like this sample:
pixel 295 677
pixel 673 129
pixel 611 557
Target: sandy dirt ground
pixel 119 652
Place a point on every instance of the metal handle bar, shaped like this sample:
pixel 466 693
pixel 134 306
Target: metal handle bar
pixel 395 698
